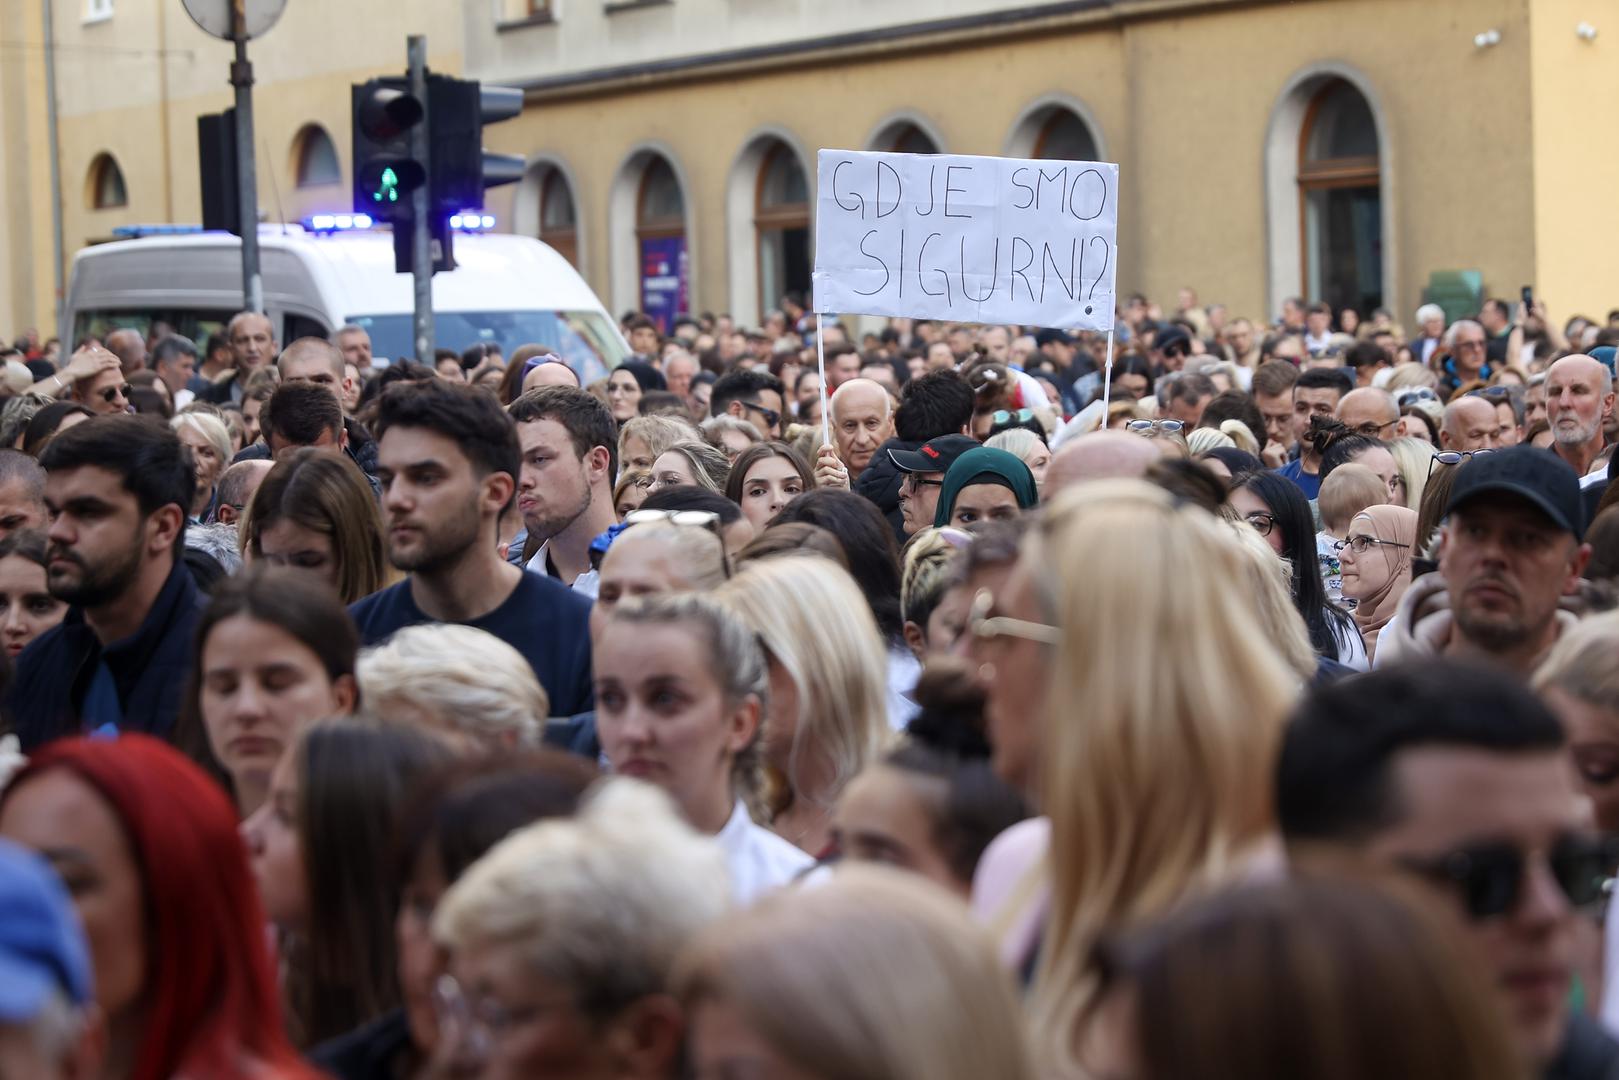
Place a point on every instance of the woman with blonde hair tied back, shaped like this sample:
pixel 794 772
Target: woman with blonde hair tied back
pixel 1156 777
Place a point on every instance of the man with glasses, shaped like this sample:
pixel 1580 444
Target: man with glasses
pixel 1371 412
pixel 1509 552
pixel 1457 777
pixel 1466 363
pixel 923 470
pixel 105 391
pixel 752 395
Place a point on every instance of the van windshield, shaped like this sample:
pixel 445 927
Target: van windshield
pixel 587 340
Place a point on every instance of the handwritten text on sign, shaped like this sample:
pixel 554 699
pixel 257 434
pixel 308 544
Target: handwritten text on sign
pixel 967 239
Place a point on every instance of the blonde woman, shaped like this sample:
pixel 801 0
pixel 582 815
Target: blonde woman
pixel 680 693
pixel 209 441
pixel 827 717
pixel 568 931
pixel 1029 448
pixel 1155 777
pixel 691 463
pixel 873 974
pixel 658 557
pixel 643 438
pixel 1413 458
pixel 458 680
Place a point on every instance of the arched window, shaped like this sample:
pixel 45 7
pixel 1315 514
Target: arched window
pixel 1340 200
pixel 660 232
pixel 316 158
pixel 909 139
pixel 107 190
pixel 781 218
pixel 559 221
pixel 1065 137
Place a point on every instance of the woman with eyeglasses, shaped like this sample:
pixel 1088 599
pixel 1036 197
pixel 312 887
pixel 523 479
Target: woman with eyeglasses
pixel 985 485
pixel 1110 741
pixel 765 478
pixel 1375 558
pixel 681 687
pixel 1278 511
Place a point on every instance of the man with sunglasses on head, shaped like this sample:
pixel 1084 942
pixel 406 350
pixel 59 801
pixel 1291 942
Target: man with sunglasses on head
pixel 1456 776
pixel 751 395
pixel 1509 551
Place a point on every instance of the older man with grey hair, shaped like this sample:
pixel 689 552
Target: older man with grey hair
pixel 1579 398
pixel 1466 348
pixel 1430 332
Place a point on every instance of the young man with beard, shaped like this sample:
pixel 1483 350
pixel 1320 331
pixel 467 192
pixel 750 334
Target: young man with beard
pixel 449 461
pixel 565 488
pixel 117 489
pixel 1509 552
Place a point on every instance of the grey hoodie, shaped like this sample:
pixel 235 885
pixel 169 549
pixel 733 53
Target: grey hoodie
pixel 1422 624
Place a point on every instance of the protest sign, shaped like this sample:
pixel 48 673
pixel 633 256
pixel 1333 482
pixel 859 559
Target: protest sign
pixel 967 239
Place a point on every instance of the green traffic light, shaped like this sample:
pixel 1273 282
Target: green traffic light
pixel 388 187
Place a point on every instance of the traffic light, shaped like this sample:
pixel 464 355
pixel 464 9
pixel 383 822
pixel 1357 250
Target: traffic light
pixel 386 172
pixel 458 111
pixel 216 154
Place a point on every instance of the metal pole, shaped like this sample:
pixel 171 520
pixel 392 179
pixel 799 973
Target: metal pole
pixel 59 307
pixel 420 201
pixel 241 77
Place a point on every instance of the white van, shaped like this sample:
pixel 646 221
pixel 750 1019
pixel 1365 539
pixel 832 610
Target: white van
pixel 509 290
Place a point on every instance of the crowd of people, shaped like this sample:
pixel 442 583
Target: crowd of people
pixel 1246 707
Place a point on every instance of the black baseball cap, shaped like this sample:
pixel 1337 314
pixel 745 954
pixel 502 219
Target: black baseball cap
pixel 936 455
pixel 1047 336
pixel 1537 476
pixel 1173 335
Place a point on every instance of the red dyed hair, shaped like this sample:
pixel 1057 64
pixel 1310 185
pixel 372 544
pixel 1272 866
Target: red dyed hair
pixel 213 1009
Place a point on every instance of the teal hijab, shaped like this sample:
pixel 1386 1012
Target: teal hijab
pixel 985 465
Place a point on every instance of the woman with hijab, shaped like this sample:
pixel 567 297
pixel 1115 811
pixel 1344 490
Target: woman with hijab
pixel 1376 565
pixel 985 484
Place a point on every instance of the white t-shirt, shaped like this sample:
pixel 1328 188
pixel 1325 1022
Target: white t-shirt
pixel 587 582
pixel 759 860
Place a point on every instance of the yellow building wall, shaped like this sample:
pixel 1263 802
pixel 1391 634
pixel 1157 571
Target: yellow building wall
pixel 1183 102
pixel 1575 207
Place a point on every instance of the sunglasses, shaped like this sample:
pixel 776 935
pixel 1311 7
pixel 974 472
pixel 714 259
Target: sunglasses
pixel 772 417
pixel 706 520
pixel 916 480
pixel 1492 393
pixel 1420 393
pixel 1359 544
pixel 1454 457
pixel 1488 879
pixel 113 393
pixel 1150 428
pixel 985 627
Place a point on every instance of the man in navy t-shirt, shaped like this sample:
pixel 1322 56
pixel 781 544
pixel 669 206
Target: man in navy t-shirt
pixel 448 459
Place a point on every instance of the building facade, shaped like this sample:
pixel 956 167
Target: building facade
pixel 1335 149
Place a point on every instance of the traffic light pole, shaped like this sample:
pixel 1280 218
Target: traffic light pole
pixel 421 201
pixel 241 77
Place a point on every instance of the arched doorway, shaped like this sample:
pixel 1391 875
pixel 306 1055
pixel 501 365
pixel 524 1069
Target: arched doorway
pixel 781 221
pixel 1063 136
pixel 559 218
pixel 1340 200
pixel 910 139
pixel 315 158
pixel 660 238
pixel 107 188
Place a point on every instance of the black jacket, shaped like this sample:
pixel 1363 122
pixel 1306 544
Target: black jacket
pixel 880 483
pixel 371 1052
pixel 149 669
pixel 362 450
pixel 1587 1054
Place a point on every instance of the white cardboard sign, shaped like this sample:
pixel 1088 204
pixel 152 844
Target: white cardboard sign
pixel 967 239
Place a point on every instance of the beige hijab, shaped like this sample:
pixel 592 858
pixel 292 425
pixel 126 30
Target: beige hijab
pixel 1397 525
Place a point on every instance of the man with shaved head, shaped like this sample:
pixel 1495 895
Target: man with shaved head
pixel 130 348
pixel 1101 455
pixel 1370 412
pixel 1470 424
pixel 236 487
pixel 1579 399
